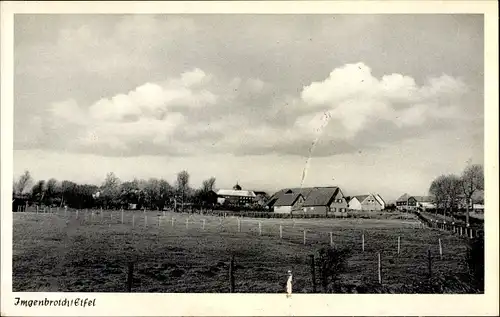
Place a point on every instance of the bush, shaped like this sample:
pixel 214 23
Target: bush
pixel 332 261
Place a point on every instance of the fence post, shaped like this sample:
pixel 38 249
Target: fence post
pixel 145 220
pixel 231 274
pixel 313 272
pixel 122 216
pixel 187 223
pixel 304 236
pixel 281 231
pixel 76 212
pixel 379 270
pixel 102 215
pixel 133 221
pixel 203 224
pixel 363 241
pixel 173 220
pixel 440 249
pixel 429 262
pixel 159 221
pixel 130 276
pixel 399 244
pixel 331 239
pixel 260 228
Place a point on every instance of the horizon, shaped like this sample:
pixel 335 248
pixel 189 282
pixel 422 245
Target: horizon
pixel 270 102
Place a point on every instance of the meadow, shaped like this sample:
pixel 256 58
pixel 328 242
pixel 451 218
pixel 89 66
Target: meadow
pixel 89 251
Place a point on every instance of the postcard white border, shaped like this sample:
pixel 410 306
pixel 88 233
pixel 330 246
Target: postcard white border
pixel 113 304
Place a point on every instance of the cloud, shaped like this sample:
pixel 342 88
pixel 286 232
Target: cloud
pixel 196 112
pixel 356 99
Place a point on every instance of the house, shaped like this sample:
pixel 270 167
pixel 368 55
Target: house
pixel 324 200
pixel 316 200
pixel 288 202
pixel 236 197
pixel 370 202
pixel 407 202
pixel 424 202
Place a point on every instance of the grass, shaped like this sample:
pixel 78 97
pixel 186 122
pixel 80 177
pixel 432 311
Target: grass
pixel 58 252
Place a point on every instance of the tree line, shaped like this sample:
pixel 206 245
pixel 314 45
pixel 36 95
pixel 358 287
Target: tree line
pixel 453 192
pixel 153 193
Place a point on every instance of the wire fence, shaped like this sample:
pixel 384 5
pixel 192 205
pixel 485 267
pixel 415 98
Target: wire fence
pixel 385 252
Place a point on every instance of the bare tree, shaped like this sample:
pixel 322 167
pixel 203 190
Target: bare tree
pixel 182 186
pixel 446 189
pixel 438 191
pixel 23 183
pixel 472 180
pixel 208 185
pixel 452 188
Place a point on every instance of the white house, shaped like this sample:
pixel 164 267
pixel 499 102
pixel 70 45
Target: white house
pixel 370 202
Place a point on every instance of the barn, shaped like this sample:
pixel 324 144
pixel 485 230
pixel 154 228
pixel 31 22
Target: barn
pixel 288 202
pixel 316 200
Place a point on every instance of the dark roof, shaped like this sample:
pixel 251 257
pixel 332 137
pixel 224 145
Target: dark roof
pixel 405 197
pixel 321 196
pixel 361 197
pixel 287 199
pixel 260 193
pixel 422 198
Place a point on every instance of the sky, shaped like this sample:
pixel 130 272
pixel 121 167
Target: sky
pixel 369 103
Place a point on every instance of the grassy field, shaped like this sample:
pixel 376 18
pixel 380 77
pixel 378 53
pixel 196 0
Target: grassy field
pixel 60 252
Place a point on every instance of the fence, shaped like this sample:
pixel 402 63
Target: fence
pixel 452 227
pixel 369 249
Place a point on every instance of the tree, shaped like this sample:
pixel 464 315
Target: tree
pixel 23 183
pixel 445 189
pixel 38 191
pixel 208 184
pixel 182 186
pixel 110 190
pixel 52 192
pixel 452 189
pixel 165 193
pixel 438 192
pixel 472 180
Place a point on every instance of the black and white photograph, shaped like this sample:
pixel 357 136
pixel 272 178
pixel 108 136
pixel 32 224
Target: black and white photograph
pixel 252 153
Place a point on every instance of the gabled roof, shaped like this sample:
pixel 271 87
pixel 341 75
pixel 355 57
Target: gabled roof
pixel 403 197
pixel 287 200
pixel 361 198
pixel 321 196
pixel 379 199
pixel 314 196
pixel 421 199
pixel 237 193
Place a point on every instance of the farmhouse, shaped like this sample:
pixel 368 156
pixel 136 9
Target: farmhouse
pixel 236 197
pixel 316 200
pixel 407 202
pixel 288 202
pixel 370 202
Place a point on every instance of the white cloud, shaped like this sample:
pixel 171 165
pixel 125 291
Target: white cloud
pixel 196 112
pixel 356 98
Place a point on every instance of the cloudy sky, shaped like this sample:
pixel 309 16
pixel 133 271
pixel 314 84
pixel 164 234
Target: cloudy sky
pixel 381 103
